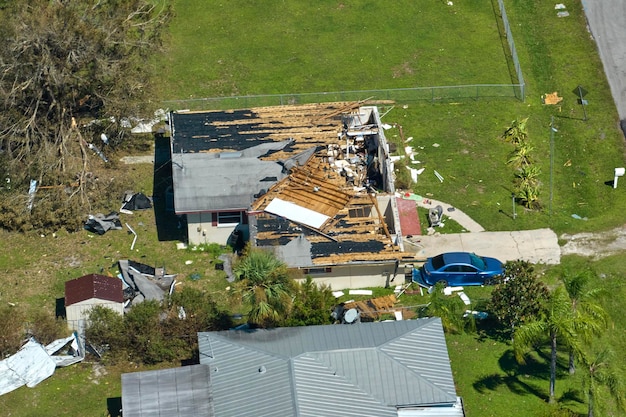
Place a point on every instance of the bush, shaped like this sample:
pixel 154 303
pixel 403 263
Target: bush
pixel 11 330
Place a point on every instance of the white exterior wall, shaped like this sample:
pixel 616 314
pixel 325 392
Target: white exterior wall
pixel 200 230
pixel 80 311
pixel 359 276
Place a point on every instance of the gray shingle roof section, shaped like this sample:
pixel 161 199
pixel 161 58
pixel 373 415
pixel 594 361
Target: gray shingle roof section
pixel 177 392
pixel 367 369
pixel 223 181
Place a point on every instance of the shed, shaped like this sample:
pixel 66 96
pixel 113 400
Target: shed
pixel 84 293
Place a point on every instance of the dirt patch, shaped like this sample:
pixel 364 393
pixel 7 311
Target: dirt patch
pixel 401 70
pixel 596 245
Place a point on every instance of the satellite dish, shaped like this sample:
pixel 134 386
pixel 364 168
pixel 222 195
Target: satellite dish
pixel 351 316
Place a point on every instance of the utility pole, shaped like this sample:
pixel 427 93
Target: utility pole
pixel 552 131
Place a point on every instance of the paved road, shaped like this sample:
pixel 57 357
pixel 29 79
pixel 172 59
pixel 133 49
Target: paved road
pixel 607 22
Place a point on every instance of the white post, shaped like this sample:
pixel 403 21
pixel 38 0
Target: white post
pixel 619 172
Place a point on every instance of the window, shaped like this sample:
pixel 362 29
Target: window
pixel 229 218
pixel 313 271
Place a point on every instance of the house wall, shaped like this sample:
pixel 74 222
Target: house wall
pixel 200 229
pixel 359 276
pixel 80 311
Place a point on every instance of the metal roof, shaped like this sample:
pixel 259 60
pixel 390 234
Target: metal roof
pixel 366 369
pixel 177 392
pixel 93 286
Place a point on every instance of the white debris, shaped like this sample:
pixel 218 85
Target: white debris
pixel 360 292
pixel 559 6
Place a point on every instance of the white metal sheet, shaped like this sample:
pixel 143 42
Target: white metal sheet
pixel 296 213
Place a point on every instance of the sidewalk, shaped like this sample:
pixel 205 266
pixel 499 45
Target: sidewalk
pixel 454 213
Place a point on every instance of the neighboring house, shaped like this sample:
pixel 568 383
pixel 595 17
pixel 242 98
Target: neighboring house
pixel 313 183
pixel 394 369
pixel 178 392
pixel 84 293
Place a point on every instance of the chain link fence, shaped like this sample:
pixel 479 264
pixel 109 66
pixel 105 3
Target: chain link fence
pixel 400 95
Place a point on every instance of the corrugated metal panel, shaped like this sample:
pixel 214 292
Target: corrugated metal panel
pixel 178 392
pixel 361 370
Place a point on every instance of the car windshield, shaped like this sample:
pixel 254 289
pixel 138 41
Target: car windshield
pixel 438 262
pixel 477 261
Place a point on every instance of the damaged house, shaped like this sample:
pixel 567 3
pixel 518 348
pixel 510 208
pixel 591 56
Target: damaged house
pixel 313 183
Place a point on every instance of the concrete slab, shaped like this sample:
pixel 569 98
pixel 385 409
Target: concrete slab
pixel 536 246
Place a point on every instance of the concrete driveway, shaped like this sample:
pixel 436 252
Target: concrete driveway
pixel 536 246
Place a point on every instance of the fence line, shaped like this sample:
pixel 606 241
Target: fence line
pixel 411 94
pixel 511 42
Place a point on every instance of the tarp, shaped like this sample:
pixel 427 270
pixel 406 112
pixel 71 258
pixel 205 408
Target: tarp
pixel 100 223
pixel 137 201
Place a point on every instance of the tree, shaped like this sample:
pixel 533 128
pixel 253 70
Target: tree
pixel 69 72
pixel 599 373
pixel 451 310
pixel 518 296
pixel 265 286
pixel 590 318
pixel 555 321
pixel 312 304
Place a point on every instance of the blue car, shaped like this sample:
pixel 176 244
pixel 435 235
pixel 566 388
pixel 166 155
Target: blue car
pixel 458 268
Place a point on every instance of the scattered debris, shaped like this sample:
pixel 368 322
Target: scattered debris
pixel 132 201
pixel 97 151
pixel 34 363
pixel 438 175
pixel 360 292
pixel 145 282
pixel 32 190
pixel 100 223
pixel 373 308
pixel 465 298
pixel 435 145
pixel 338 294
pixel 132 246
pixel 577 217
pixel 435 215
pixel 551 98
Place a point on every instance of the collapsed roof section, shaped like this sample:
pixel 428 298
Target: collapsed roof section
pixel 317 172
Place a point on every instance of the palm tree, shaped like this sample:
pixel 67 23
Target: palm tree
pixel 265 286
pixel 599 373
pixel 517 133
pixel 590 319
pixel 556 322
pixel 520 157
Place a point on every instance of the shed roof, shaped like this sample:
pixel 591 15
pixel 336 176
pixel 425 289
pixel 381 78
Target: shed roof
pixel 177 392
pixel 367 369
pixel 93 286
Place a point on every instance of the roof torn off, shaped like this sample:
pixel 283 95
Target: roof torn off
pixel 34 362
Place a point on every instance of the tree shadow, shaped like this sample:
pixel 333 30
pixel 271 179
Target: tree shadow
pixel 490 329
pixel 514 375
pixel 169 226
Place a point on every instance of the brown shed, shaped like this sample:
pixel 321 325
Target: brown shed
pixel 86 292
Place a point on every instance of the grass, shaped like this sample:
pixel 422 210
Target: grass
pixel 298 47
pixel 238 47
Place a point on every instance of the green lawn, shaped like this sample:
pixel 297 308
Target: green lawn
pixel 269 47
